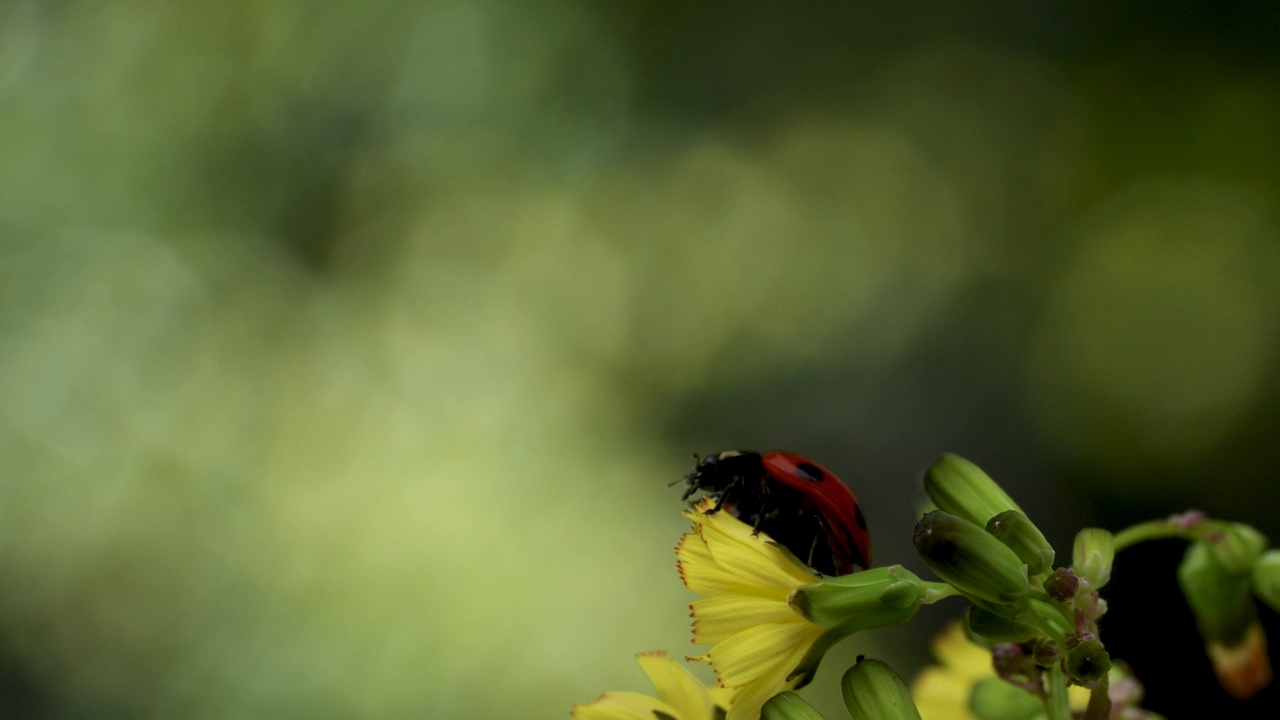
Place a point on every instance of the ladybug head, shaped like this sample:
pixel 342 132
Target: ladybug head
pixel 714 473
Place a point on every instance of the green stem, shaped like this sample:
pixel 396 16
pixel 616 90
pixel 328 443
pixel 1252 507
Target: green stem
pixel 935 591
pixel 1055 703
pixel 1150 530
pixel 1160 529
pixel 1062 609
pixel 1099 702
pixel 1044 624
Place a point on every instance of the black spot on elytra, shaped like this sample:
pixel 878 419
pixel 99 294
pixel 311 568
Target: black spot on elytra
pixel 810 472
pixel 857 516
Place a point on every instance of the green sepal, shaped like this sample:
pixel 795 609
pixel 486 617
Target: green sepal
pixel 1237 546
pixel 1092 555
pixel 873 691
pixel 961 488
pixel 874 598
pixel 1026 541
pixel 972 560
pixel 1266 578
pixel 788 706
pixel 1220 599
pixel 988 625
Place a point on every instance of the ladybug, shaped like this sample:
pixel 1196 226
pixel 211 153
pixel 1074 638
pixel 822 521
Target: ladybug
pixel 792 499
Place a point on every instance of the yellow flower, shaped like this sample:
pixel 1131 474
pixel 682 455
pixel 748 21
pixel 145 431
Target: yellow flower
pixel 680 696
pixel 943 691
pixel 759 641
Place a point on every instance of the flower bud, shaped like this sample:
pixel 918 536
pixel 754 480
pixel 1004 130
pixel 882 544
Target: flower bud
pixel 1062 584
pixel 1227 619
pixel 969 558
pixel 1266 578
pixel 1014 663
pixel 1092 555
pixel 1026 541
pixel 878 597
pixel 961 488
pixel 1087 662
pixel 986 624
pixel 1220 599
pixel 996 699
pixel 1046 652
pixel 1237 547
pixel 873 691
pixel 788 706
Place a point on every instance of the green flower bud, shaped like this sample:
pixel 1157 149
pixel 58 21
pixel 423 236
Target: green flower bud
pixel 1266 578
pixel 986 624
pixel 1092 555
pixel 970 559
pixel 873 691
pixel 1219 598
pixel 1087 662
pixel 1046 652
pixel 788 706
pixel 1238 547
pixel 1026 541
pixel 878 597
pixel 996 699
pixel 961 488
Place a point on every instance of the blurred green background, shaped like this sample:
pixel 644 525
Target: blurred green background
pixel 346 349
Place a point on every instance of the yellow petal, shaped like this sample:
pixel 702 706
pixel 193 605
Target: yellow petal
pixel 722 696
pixel 754 558
pixel 716 619
pixel 752 696
pixel 700 572
pixel 624 706
pixel 1078 697
pixel 676 686
pixel 763 649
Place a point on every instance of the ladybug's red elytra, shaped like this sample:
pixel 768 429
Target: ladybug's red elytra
pixel 792 499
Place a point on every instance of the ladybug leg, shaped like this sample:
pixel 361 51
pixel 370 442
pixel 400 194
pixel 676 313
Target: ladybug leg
pixel 761 514
pixel 819 530
pixel 813 549
pixel 723 497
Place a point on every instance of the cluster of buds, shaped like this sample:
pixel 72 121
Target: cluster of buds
pixel 1041 619
pixel 1044 619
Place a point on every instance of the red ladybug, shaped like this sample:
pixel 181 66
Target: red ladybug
pixel 792 499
